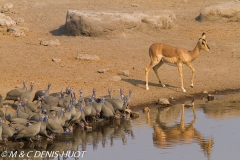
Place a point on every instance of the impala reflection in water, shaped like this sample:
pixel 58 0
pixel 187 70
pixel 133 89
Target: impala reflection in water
pixel 166 136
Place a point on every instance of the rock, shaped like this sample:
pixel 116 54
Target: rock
pixel 50 42
pixel 205 92
pixel 125 73
pixel 134 115
pixel 115 78
pixel 17 31
pixel 210 97
pixel 56 60
pixel 103 70
pixel 163 101
pixel 6 7
pixel 127 111
pixel 223 12
pixel 134 5
pixel 6 21
pixel 87 57
pixel 172 98
pixel 19 20
pixel 96 24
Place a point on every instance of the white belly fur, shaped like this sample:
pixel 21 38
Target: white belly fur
pixel 172 60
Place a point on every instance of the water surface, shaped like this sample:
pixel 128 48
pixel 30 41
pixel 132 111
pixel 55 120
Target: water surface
pixel 205 130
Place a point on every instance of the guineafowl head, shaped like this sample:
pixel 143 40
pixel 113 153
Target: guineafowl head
pixel 102 100
pixel 130 92
pixel 69 107
pixel 81 92
pixel 94 92
pixel 81 107
pixel 24 83
pixel 92 99
pixel 44 111
pixel 41 117
pixel 56 112
pixel 31 85
pixel 109 91
pixel 6 106
pixel 18 99
pixel 39 99
pixel 62 111
pixel 126 100
pixel 49 85
pixel 121 91
pixel 16 128
pixel 45 118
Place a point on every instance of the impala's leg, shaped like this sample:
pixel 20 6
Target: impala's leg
pixel 152 64
pixel 155 68
pixel 193 73
pixel 181 76
pixel 182 124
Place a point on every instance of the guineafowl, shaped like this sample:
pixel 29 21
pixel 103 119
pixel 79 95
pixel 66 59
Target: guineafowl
pixel 21 113
pixel 106 112
pixel 30 131
pixel 57 94
pixel 1 101
pixel 54 124
pixel 88 107
pixel 1 128
pixel 50 100
pixel 43 127
pixel 98 105
pixel 77 115
pixel 67 115
pixel 10 115
pixel 16 93
pixel 8 131
pixel 27 95
pixel 41 93
pixel 120 103
pixel 26 109
pixel 117 103
pixel 65 101
pixel 33 106
pixel 21 121
pixel 127 99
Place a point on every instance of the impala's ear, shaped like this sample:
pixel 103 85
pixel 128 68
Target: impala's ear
pixel 203 35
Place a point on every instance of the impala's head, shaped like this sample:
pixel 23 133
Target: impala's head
pixel 203 43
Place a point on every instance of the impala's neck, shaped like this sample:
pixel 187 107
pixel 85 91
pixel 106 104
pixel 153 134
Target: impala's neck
pixel 195 52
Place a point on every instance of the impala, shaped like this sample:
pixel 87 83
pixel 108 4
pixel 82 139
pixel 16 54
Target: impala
pixel 161 53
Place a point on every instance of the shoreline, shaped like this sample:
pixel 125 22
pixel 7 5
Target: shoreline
pixel 183 99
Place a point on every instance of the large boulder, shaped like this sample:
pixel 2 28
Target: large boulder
pixel 223 12
pixel 115 23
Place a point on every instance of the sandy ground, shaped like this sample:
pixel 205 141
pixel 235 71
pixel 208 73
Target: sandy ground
pixel 23 58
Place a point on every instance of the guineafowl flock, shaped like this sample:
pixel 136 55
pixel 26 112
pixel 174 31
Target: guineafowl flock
pixel 51 114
